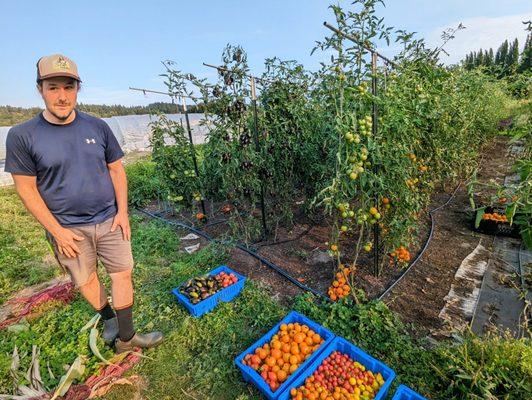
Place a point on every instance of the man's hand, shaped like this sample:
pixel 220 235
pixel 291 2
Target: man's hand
pixel 122 220
pixel 66 242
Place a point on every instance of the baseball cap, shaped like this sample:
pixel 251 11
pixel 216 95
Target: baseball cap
pixel 56 65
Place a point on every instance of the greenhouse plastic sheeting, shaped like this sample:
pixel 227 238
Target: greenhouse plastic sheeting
pixel 3 136
pixel 131 131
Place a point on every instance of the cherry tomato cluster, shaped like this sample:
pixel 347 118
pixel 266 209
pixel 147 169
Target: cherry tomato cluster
pixel 226 279
pixel 200 216
pixel 288 349
pixel 339 377
pixel 495 217
pixel 339 287
pixel 401 254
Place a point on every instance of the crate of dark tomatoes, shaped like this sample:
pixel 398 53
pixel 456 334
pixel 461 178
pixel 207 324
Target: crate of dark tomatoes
pixel 493 221
pixel 202 294
pixel 300 359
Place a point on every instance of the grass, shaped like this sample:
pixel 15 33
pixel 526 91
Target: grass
pixel 197 355
pixel 24 255
pixel 196 358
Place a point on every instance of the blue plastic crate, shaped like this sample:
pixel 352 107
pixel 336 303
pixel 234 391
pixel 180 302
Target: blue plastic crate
pixel 405 393
pixel 343 346
pixel 252 376
pixel 226 294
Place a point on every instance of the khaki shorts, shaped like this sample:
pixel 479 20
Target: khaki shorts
pixel 99 244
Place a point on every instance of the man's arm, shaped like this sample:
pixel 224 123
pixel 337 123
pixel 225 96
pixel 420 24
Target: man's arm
pixel 119 179
pixel 26 187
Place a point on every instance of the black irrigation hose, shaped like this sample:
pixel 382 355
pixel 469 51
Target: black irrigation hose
pixel 215 222
pixel 424 247
pixel 239 246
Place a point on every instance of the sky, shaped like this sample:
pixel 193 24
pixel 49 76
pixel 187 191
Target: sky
pixel 117 43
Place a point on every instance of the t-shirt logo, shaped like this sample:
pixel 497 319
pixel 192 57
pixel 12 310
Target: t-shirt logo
pixel 91 140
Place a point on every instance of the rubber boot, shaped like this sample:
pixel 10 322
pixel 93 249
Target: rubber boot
pixel 144 341
pixel 110 330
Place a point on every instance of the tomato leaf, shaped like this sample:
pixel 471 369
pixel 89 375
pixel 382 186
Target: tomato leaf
pixel 480 214
pixel 510 212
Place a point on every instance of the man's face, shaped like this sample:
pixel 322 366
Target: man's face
pixel 60 95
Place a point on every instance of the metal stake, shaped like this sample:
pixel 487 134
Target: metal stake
pixel 376 227
pixel 192 149
pixel 257 149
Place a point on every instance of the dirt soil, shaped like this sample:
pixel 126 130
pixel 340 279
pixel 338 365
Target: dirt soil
pixel 418 298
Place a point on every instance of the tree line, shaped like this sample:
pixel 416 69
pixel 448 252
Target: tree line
pixel 14 115
pixel 507 60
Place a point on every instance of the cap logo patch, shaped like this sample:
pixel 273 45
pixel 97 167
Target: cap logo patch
pixel 61 64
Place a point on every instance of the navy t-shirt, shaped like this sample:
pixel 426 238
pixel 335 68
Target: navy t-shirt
pixel 70 163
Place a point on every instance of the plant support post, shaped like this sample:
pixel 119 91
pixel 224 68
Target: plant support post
pixel 257 149
pixel 192 149
pixel 376 269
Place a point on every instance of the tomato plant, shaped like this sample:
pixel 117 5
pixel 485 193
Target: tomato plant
pixel 321 144
pixel 431 124
pixel 172 154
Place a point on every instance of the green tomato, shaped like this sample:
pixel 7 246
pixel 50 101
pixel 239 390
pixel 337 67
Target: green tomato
pixel 353 176
pixel 344 214
pixel 343 228
pixel 364 157
pixel 377 216
pixel 351 214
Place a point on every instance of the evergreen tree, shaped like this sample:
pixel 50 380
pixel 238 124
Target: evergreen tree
pixel 525 63
pixel 488 58
pixel 467 62
pixel 479 60
pixel 502 52
pixel 501 59
pixel 512 57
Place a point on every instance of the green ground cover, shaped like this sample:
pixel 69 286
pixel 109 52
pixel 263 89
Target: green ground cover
pixel 24 255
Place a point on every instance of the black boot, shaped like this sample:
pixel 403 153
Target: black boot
pixel 110 330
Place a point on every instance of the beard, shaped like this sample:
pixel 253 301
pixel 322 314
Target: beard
pixel 61 117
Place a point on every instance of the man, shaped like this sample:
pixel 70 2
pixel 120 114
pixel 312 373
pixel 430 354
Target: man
pixel 67 170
